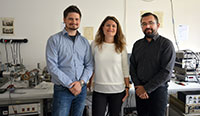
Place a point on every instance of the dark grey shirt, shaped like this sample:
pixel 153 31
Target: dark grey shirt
pixel 151 63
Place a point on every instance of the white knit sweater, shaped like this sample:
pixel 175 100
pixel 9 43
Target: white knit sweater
pixel 110 68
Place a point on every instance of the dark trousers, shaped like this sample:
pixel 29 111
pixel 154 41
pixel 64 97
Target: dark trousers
pixel 100 101
pixel 156 104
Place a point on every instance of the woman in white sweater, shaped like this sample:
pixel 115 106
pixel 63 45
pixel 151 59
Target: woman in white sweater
pixel 111 74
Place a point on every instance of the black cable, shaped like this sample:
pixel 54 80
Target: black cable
pixel 13 40
pixel 197 58
pixel 187 51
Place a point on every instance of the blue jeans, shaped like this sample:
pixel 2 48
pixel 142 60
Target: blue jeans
pixel 65 103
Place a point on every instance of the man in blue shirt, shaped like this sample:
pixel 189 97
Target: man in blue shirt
pixel 70 63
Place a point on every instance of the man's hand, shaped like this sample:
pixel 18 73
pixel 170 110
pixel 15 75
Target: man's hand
pixel 76 88
pixel 141 92
pixel 144 96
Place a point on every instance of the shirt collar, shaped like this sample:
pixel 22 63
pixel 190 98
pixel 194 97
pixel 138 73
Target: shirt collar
pixel 154 38
pixel 64 32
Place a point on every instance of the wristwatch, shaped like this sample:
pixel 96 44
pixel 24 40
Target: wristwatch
pixel 127 87
pixel 82 83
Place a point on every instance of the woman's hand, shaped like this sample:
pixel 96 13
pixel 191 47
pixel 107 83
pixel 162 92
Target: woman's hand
pixel 127 94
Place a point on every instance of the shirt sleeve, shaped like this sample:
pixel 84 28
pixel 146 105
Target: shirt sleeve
pixel 52 64
pixel 88 64
pixel 125 66
pixel 167 60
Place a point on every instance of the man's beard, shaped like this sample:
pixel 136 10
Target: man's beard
pixel 149 34
pixel 72 28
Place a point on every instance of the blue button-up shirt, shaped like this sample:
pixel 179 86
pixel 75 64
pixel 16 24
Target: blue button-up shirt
pixel 68 60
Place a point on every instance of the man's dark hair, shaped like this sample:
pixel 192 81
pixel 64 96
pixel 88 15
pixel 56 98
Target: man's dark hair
pixel 71 9
pixel 149 14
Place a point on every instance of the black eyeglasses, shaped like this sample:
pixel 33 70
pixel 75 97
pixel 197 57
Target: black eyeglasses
pixel 151 23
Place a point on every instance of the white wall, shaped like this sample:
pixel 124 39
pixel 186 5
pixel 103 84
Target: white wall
pixel 36 20
pixel 186 12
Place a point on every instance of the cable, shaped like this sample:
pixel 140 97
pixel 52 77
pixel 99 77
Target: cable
pixel 125 17
pixel 173 23
pixel 20 60
pixel 0 59
pixel 10 97
pixel 12 54
pixel 16 53
pixel 6 52
pixel 196 58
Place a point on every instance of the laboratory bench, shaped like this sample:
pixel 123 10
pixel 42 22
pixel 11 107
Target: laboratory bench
pixel 39 97
pixel 129 106
pixel 180 108
pixel 26 101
